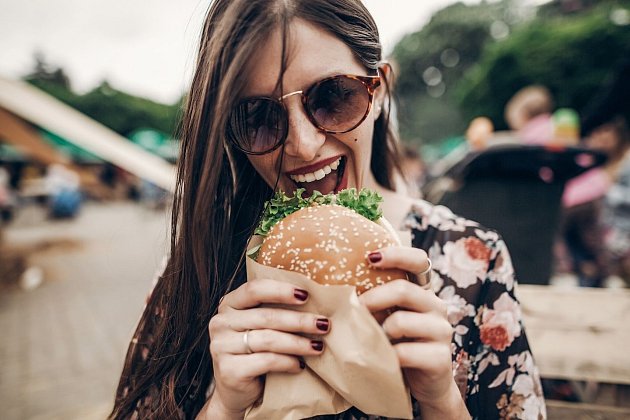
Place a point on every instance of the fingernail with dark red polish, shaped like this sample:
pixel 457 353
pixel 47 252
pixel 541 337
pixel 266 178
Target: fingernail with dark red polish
pixel 302 364
pixel 300 294
pixel 375 257
pixel 317 345
pixel 322 324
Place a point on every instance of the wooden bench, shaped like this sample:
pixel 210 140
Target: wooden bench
pixel 582 334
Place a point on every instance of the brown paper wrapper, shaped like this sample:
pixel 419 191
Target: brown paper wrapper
pixel 358 367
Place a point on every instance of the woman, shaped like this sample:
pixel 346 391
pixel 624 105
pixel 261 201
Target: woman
pixel 285 91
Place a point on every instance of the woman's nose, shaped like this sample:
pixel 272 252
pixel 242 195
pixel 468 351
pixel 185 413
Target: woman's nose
pixel 304 139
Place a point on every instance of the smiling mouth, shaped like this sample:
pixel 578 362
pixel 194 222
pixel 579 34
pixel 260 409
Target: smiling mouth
pixel 328 179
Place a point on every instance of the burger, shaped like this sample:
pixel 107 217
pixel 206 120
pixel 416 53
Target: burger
pixel 327 237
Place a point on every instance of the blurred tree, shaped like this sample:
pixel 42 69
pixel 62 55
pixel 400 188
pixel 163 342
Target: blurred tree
pixel 53 80
pixel 564 7
pixel 573 54
pixel 115 109
pixel 44 72
pixel 432 61
pixel 125 113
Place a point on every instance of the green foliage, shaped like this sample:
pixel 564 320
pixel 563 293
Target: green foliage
pixel 60 92
pixel 562 7
pixel 431 113
pixel 365 202
pixel 573 55
pixel 459 26
pixel 573 48
pixel 424 119
pixel 125 113
pixel 115 109
pixel 50 75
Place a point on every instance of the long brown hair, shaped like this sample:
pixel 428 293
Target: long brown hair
pixel 219 198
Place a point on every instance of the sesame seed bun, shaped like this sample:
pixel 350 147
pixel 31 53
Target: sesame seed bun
pixel 330 244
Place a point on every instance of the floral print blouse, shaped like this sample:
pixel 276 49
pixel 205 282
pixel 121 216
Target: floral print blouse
pixel 492 363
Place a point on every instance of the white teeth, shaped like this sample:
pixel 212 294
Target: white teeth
pixel 318 174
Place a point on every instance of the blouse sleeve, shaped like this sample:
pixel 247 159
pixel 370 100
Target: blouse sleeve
pixel 473 273
pixel 504 381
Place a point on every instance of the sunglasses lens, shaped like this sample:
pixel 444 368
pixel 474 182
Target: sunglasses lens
pixel 338 104
pixel 257 125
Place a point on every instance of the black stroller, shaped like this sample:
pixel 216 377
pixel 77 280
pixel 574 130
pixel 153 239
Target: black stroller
pixel 517 190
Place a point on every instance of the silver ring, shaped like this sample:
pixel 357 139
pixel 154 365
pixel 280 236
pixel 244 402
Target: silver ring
pixel 248 349
pixel 424 277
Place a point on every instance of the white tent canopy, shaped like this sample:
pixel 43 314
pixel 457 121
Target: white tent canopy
pixel 41 109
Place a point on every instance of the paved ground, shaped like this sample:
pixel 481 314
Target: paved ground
pixel 63 343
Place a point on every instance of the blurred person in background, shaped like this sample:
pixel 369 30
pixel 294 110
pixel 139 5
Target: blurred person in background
pixel 616 214
pixel 7 197
pixel 593 206
pixel 583 227
pixel 62 187
pixel 479 133
pixel 617 223
pixel 152 196
pixel 285 88
pixel 529 114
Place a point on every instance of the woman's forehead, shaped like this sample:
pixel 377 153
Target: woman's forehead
pixel 312 53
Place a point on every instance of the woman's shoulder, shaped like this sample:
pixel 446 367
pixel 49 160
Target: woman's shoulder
pixel 399 208
pixel 464 252
pixel 430 224
pixel 423 215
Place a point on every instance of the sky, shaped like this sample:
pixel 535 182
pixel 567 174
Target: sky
pixel 144 47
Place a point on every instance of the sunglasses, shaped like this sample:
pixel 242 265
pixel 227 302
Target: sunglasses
pixel 335 105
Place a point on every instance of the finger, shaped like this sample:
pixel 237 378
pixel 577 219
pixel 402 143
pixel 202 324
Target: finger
pixel 271 318
pixel 417 326
pixel 428 357
pixel 403 294
pixel 412 260
pixel 239 369
pixel 254 293
pixel 269 341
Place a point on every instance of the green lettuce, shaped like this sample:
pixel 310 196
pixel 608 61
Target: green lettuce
pixel 365 202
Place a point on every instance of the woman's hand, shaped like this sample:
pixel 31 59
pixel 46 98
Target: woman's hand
pixel 247 341
pixel 419 331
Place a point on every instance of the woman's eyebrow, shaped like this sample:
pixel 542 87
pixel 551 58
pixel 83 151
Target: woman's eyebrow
pixel 326 75
pixel 276 93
